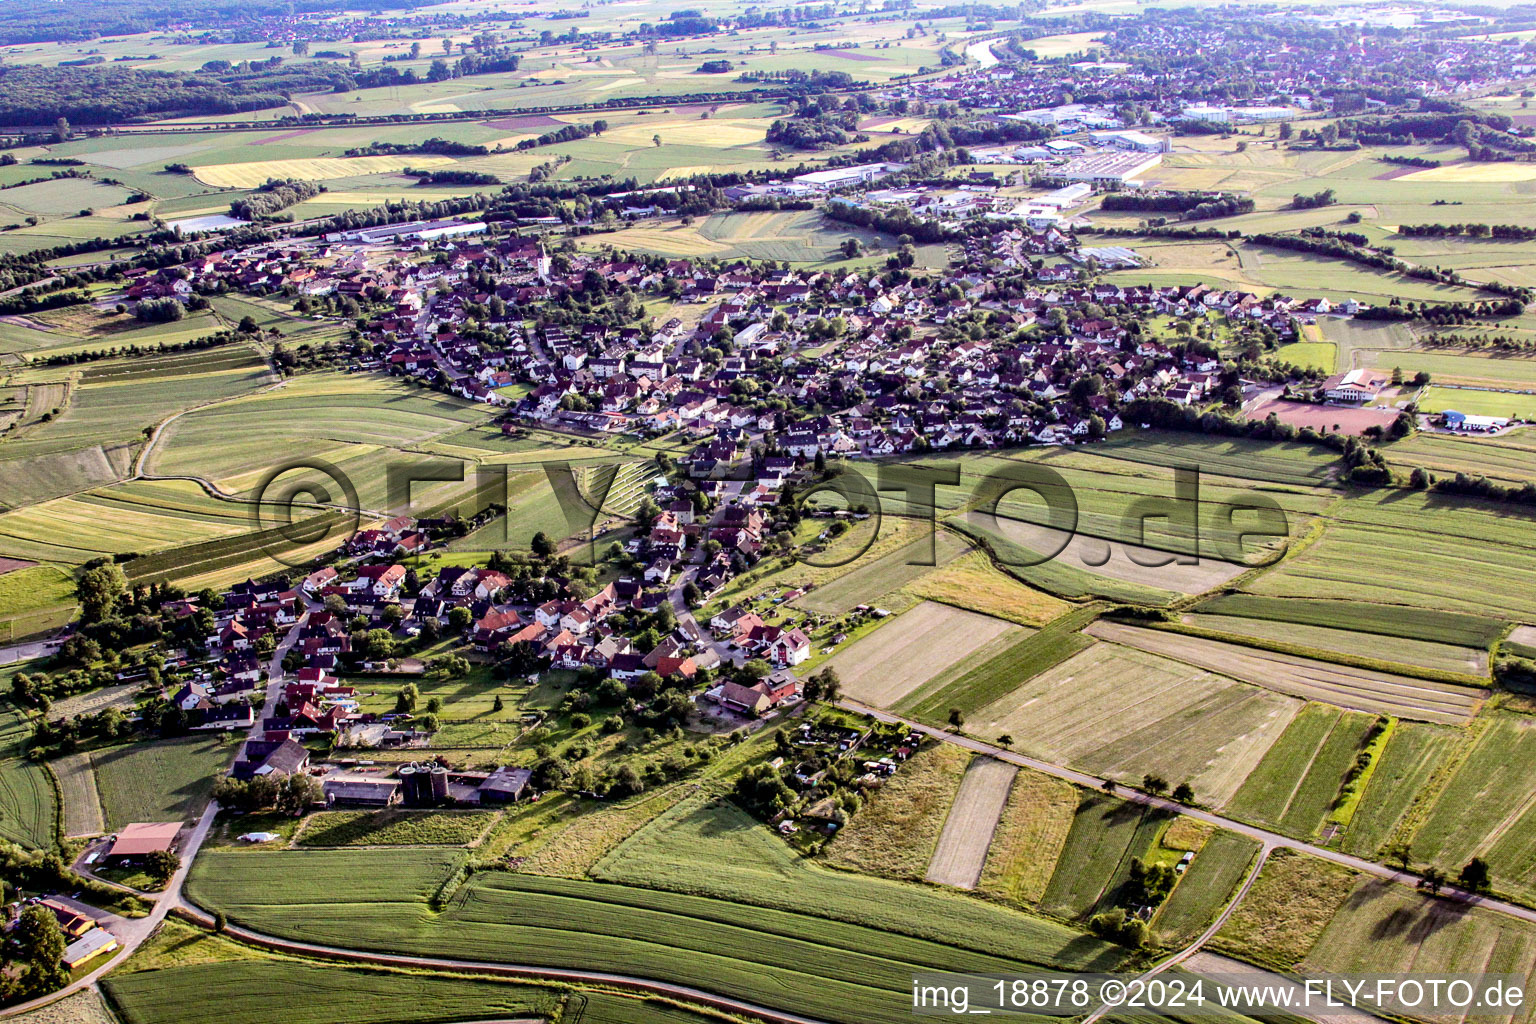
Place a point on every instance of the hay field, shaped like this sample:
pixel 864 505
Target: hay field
pixel 972 822
pixel 256 172
pixel 1357 688
pixel 1282 916
pixel 922 644
pixel 1028 839
pixel 1123 713
pixel 972 582
pixel 1408 651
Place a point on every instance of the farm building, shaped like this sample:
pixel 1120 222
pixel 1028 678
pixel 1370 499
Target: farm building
pixel 141 838
pixel 360 791
pixel 88 946
pixel 71 922
pixel 505 786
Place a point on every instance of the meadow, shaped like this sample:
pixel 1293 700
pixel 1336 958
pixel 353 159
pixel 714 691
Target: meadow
pixel 1408 651
pixel 1403 776
pixel 895 832
pixel 1205 887
pixel 1285 912
pixel 1509 457
pixel 162 780
pixel 1106 832
pixel 1029 838
pixel 34 599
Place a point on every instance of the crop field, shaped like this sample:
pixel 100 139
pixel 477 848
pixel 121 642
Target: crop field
pixel 28 810
pixel 1297 782
pixel 1390 928
pixel 1510 457
pixel 813 964
pixel 77 787
pixel 256 172
pixel 1105 833
pixel 1488 809
pixel 1453 628
pixel 872 579
pixel 34 598
pixel 241 992
pixel 896 830
pixel 1122 713
pixel 1423 653
pixel 973 818
pixel 164 780
pixel 1358 688
pixel 1467 557
pixel 1205 887
pixel 1029 837
pixel 930 640
pixel 1280 919
pixel 395 828
pixel 139 516
pixel 1404 770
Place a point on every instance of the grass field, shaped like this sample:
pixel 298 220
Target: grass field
pixel 971 582
pixel 164 780
pixel 241 992
pixel 1205 887
pixel 1104 834
pixel 1122 713
pixel 973 817
pixel 1438 626
pixel 873 578
pixel 1029 838
pixel 394 828
pixel 77 788
pixel 1510 457
pixel 1280 919
pixel 34 599
pixel 895 832
pixel 1479 402
pixel 1296 783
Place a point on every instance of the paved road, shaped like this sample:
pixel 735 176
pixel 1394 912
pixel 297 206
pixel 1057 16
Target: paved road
pixel 1273 840
pixel 1205 936
pixel 132 931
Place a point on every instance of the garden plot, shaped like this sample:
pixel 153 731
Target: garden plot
pixel 972 821
pixel 1357 688
pixel 1123 713
pixel 922 644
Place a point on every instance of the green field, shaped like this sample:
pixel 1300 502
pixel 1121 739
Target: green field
pixel 1479 402
pixel 1296 783
pixel 1205 887
pixel 242 991
pixel 811 964
pixel 1412 756
pixel 1104 833
pixel 1407 651
pixel 1475 815
pixel 1509 457
pixel 35 599
pixel 1430 625
pixel 164 780
pixel 28 807
pixel 1280 919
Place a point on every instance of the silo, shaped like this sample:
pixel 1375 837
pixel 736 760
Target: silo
pixel 438 784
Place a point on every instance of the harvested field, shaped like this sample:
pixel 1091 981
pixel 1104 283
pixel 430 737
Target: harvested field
pixel 1357 688
pixel 256 172
pixel 972 821
pixel 1120 712
pixel 933 639
pixel 96 700
pixel 1423 653
pixel 82 804
pixel 1029 838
